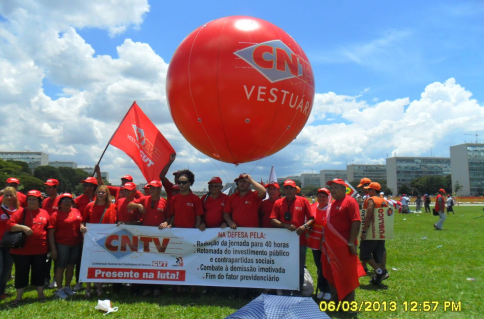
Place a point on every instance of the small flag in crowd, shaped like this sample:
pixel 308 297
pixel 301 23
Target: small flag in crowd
pixel 350 191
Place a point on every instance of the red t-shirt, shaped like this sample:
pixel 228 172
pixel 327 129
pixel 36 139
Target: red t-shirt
pixel 50 205
pixel 4 219
pixel 116 192
pixel 300 212
pixel 156 215
pixel 67 226
pixel 81 203
pixel 214 209
pixel 265 210
pixel 37 220
pixel 93 213
pixel 343 213
pixel 22 199
pixel 244 210
pixel 125 215
pixel 185 208
pixel 168 186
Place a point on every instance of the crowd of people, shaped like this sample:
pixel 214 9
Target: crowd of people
pixel 54 227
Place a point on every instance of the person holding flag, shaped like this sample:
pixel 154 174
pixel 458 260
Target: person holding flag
pixel 341 266
pixel 315 237
pixel 115 191
pixel 166 183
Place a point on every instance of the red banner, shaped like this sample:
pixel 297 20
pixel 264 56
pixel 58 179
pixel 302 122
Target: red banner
pixel 139 138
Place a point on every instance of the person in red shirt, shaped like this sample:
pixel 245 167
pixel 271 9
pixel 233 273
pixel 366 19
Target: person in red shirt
pixel 101 211
pixel 15 182
pixel 125 215
pixel 440 209
pixel 213 205
pixel 186 210
pixel 265 208
pixel 9 206
pixel 30 259
pixel 50 204
pixel 65 241
pixel 155 212
pixel 175 190
pixel 341 266
pixel 116 191
pixel 291 213
pixel 242 208
pixel 146 190
pixel 315 236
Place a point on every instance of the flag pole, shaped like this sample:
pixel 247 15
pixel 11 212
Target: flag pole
pixel 134 103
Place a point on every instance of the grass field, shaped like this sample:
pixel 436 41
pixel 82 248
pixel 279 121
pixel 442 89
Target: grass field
pixel 434 269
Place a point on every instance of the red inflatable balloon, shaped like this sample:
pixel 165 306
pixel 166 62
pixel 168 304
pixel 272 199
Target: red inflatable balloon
pixel 239 89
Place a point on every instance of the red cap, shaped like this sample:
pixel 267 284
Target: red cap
pixel 51 182
pixel 364 181
pixel 289 182
pixel 146 186
pixel 441 190
pixel 61 196
pixel 373 185
pixel 35 193
pixel 130 186
pixel 273 184
pixel 336 181
pixel 155 183
pixel 175 186
pixel 404 195
pixel 90 180
pixel 324 190
pixel 176 173
pixel 215 179
pixel 129 178
pixel 13 180
pixel 241 176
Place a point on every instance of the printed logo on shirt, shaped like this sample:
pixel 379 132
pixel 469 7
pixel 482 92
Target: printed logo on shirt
pixel 160 209
pixel 248 202
pixel 223 204
pixel 3 216
pixel 298 208
pixel 190 204
pixel 337 207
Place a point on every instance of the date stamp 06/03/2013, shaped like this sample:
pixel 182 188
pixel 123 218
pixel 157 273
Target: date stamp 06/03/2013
pixel 391 306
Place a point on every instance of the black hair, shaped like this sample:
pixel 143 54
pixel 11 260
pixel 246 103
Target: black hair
pixel 188 174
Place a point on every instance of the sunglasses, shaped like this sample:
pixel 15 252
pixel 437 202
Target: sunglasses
pixel 182 182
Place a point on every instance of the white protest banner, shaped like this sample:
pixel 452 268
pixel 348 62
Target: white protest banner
pixel 245 257
pixel 383 228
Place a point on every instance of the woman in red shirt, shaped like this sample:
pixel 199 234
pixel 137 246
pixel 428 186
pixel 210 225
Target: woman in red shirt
pixel 101 211
pixel 30 259
pixel 65 242
pixel 9 206
pixel 213 205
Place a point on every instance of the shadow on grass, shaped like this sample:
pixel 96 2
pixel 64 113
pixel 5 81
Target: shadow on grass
pixel 374 287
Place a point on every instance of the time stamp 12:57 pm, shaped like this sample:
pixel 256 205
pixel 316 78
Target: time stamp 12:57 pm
pixel 392 306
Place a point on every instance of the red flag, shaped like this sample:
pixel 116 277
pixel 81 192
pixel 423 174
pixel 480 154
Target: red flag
pixel 139 138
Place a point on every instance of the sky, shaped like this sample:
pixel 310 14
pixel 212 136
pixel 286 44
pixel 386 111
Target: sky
pixel 392 78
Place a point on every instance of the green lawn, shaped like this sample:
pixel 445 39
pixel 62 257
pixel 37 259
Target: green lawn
pixel 432 269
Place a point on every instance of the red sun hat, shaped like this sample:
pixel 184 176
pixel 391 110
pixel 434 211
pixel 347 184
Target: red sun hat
pixel 51 182
pixel 273 184
pixel 34 193
pixel 441 190
pixel 364 181
pixel 129 178
pixel 68 195
pixel 324 190
pixel 13 180
pixel 336 181
pixel 129 186
pixel 155 183
pixel 241 176
pixel 216 180
pixel 373 185
pixel 290 182
pixel 90 180
pixel 175 186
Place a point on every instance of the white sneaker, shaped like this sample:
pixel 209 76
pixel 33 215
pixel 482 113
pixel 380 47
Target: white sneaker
pixel 78 286
pixel 52 285
pixel 327 296
pixel 320 295
pixel 60 294
pixel 69 292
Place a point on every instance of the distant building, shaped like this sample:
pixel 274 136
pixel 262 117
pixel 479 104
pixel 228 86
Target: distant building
pixel 58 164
pixel 468 168
pixel 90 170
pixel 309 179
pixel 34 159
pixel 355 172
pixel 292 177
pixel 402 170
pixel 330 174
